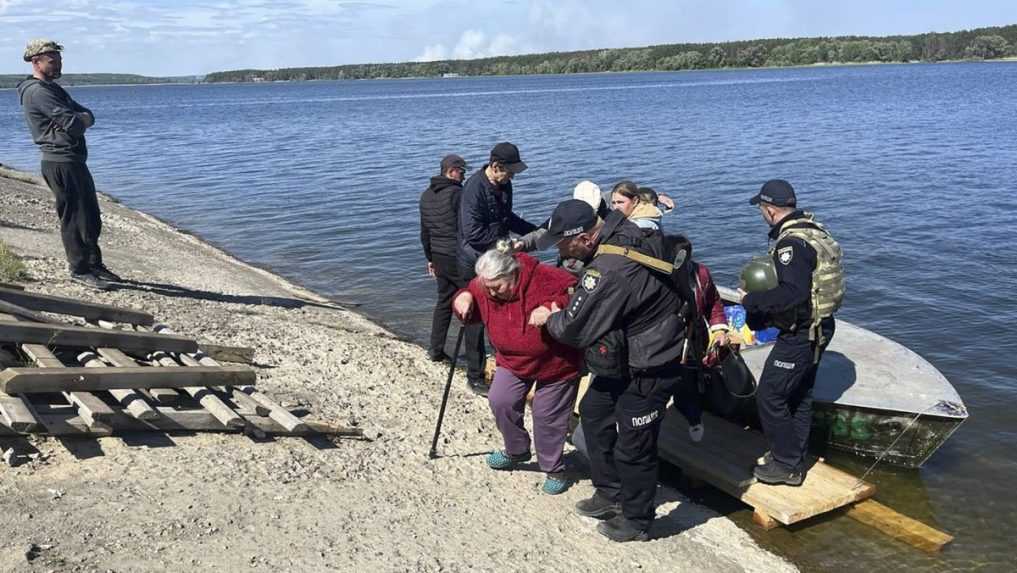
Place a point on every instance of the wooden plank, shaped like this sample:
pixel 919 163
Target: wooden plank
pixel 21 312
pixel 281 415
pixel 725 459
pixel 32 380
pixel 15 413
pixel 224 352
pixel 275 411
pixel 116 357
pixel 765 521
pixel 131 400
pixel 204 396
pixel 79 336
pixel 898 526
pixel 64 422
pixel 74 307
pixel 94 411
pixel 42 356
pixel 242 400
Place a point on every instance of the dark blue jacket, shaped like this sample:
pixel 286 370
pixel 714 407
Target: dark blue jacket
pixel 485 215
pixel 616 292
pixel 788 306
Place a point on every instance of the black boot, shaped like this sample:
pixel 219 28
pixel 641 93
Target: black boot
pixel 478 387
pixel 598 507
pixel 90 281
pixel 105 274
pixel 774 473
pixel 620 529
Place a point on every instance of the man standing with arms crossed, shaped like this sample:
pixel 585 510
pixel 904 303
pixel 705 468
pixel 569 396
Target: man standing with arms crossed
pixel 58 125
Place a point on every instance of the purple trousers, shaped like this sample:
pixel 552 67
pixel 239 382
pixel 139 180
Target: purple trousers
pixel 551 408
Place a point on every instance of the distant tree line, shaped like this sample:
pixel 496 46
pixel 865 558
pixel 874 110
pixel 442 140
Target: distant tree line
pixel 12 80
pixel 979 44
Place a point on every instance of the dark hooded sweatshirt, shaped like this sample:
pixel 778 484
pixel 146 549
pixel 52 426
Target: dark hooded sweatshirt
pixel 527 351
pixel 439 216
pixel 53 119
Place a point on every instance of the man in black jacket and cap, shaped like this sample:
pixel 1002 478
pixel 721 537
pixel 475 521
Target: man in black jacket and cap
pixel 626 317
pixel 485 217
pixel 439 223
pixel 810 288
pixel 58 125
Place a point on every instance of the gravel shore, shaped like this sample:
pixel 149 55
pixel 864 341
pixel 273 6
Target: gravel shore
pixel 226 502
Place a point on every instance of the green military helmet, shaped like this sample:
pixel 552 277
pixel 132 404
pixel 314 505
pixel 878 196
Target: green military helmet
pixel 758 275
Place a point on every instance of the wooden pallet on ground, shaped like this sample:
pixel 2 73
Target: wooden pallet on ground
pixel 117 377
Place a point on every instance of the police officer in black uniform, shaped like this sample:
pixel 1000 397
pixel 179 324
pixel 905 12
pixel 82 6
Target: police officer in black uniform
pixel 784 396
pixel 626 317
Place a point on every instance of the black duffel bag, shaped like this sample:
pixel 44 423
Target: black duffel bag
pixel 738 379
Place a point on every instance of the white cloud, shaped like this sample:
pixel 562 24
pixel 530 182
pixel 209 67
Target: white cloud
pixel 472 44
pixel 433 53
pixel 7 4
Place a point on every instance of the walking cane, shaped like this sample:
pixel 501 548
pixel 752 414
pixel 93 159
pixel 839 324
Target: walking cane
pixel 444 398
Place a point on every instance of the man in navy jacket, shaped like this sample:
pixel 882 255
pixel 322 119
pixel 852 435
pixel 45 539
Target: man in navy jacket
pixel 485 216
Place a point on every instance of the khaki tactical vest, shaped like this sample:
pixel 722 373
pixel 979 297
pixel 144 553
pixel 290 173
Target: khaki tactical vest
pixel 828 277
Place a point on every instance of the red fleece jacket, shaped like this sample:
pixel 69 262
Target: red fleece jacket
pixel 526 351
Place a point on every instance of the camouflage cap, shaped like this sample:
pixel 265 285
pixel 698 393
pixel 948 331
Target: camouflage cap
pixel 41 46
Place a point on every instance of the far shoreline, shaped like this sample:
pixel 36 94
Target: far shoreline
pixel 1006 60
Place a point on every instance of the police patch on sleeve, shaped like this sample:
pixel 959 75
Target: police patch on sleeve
pixel 591 280
pixel 785 254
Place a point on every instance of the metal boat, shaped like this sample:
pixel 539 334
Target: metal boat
pixel 874 397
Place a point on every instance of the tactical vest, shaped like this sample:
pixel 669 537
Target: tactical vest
pixel 828 276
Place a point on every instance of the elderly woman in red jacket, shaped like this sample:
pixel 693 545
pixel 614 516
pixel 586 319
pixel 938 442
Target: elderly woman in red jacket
pixel 507 288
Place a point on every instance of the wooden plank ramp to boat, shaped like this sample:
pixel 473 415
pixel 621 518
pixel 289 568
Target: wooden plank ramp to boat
pixel 726 455
pixel 725 458
pixel 898 526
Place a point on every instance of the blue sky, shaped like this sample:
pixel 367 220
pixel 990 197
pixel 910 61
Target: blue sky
pixel 185 37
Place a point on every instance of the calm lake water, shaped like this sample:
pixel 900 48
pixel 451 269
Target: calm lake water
pixel 913 167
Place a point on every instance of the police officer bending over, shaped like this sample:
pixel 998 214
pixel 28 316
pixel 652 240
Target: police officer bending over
pixel 809 290
pixel 626 318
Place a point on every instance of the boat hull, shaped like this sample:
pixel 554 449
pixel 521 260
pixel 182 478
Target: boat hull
pixel 899 438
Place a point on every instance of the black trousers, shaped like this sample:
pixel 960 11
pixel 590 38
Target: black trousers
pixel 784 396
pixel 446 277
pixel 621 422
pixel 688 400
pixel 476 351
pixel 78 210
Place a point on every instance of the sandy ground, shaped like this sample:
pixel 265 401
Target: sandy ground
pixel 218 501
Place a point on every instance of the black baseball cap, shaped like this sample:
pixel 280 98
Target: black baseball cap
pixel 452 161
pixel 775 192
pixel 570 218
pixel 508 155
